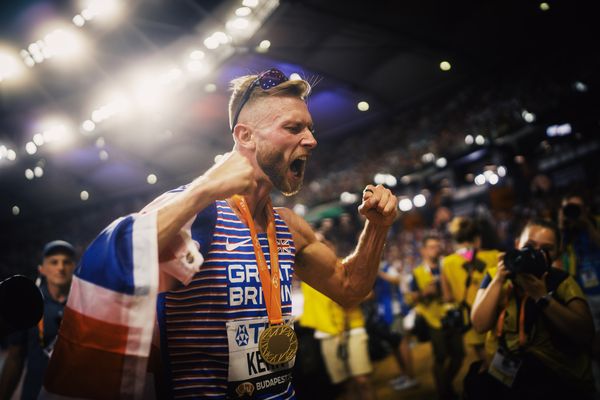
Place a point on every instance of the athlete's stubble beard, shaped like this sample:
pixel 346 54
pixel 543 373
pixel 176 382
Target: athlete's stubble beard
pixel 272 163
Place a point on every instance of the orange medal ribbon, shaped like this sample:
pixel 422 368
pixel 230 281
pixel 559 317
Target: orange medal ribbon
pixel 268 280
pixel 500 324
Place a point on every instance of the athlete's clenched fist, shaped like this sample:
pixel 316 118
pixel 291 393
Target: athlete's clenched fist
pixel 231 174
pixel 379 205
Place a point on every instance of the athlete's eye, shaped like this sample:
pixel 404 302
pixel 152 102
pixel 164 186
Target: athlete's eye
pixel 294 128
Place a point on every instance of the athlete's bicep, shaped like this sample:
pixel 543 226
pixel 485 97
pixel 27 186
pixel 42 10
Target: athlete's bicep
pixel 319 267
pixel 315 263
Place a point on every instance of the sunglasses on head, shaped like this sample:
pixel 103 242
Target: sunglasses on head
pixel 266 80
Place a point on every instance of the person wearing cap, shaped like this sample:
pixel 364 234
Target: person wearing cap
pixel 34 346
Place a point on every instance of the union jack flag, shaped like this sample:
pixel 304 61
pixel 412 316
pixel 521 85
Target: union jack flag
pixel 284 245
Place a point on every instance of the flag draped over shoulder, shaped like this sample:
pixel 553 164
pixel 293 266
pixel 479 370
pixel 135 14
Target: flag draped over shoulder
pixel 104 340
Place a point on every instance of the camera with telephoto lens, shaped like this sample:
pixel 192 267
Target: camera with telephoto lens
pixel 527 260
pixel 571 211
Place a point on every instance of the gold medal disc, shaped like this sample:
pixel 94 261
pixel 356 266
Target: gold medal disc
pixel 278 344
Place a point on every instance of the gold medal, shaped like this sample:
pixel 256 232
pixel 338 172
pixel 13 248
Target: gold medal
pixel 278 344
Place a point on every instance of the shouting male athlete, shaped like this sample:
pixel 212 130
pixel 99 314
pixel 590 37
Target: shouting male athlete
pixel 212 263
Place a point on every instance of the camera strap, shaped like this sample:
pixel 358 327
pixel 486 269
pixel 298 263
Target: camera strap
pixel 520 316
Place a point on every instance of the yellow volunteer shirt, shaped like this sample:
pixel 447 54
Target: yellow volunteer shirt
pixel 562 357
pixel 456 275
pixel 432 310
pixel 325 315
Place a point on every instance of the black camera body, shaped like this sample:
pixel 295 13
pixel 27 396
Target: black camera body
pixel 456 319
pixel 527 260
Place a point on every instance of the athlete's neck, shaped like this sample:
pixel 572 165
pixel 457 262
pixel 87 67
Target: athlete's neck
pixel 257 205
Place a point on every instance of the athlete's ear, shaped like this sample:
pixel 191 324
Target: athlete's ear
pixel 243 136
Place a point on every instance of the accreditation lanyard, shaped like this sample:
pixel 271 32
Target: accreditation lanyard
pixel 268 280
pixel 500 324
pixel 41 332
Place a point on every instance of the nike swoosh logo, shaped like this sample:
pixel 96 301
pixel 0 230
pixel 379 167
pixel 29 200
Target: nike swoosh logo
pixel 233 246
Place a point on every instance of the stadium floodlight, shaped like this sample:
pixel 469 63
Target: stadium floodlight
pixel 10 67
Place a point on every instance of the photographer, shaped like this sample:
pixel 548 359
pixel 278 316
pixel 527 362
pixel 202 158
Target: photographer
pixel 446 343
pixel 541 328
pixel 581 258
pixel 30 350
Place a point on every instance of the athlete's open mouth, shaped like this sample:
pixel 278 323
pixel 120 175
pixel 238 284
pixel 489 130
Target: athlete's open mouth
pixel 297 166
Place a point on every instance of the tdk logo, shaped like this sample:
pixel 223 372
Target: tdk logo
pixel 241 336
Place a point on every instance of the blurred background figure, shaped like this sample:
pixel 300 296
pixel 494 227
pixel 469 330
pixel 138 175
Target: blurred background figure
pixel 343 340
pixel 462 274
pixel 32 348
pixel 446 343
pixel 542 327
pixel 390 288
pixel 581 258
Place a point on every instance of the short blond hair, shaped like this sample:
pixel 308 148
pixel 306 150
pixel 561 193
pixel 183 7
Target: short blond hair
pixel 292 88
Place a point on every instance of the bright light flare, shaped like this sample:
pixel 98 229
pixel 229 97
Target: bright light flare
pixel 445 66
pixel 30 148
pixel 237 24
pixel 10 66
pixel 428 157
pixel 250 3
pixel 300 209
pixel 441 162
pixel 151 179
pixel 63 44
pixel 54 132
pixel 348 198
pixel 84 195
pixel 217 39
pixel 101 11
pixel 113 103
pixel 363 106
pixel 405 205
pixel 88 125
pixel 263 46
pixel 493 179
pixel 243 11
pixel 419 200
pixel 385 179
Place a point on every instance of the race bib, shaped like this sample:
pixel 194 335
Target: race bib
pixel 505 368
pixel 250 375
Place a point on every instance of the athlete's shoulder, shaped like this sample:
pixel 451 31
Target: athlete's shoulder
pixel 301 231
